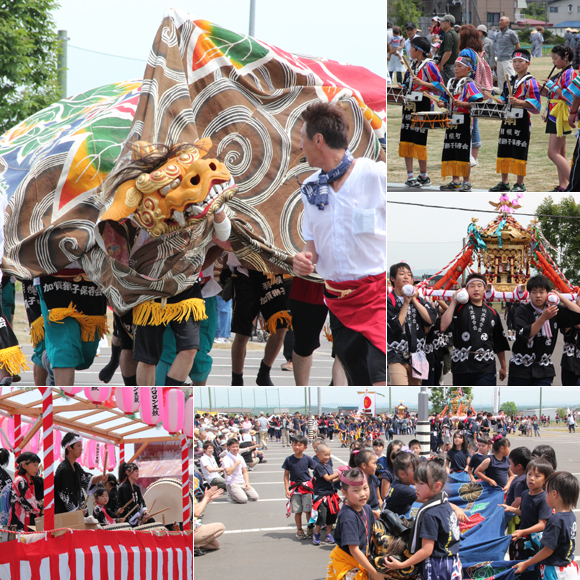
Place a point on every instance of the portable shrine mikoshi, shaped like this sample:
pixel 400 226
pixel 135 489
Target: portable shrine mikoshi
pixel 430 120
pixel 395 95
pixel 160 552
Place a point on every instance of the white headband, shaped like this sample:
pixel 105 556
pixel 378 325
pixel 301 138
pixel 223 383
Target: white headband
pixel 520 55
pixel 475 280
pixel 74 441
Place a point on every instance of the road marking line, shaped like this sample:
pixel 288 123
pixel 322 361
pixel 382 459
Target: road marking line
pixel 339 459
pixel 217 501
pixel 289 528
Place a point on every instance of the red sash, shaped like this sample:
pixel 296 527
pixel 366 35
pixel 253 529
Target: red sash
pixel 361 305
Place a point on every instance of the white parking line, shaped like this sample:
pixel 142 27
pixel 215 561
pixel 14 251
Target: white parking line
pixel 288 528
pixel 217 501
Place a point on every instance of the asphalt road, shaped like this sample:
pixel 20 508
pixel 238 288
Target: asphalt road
pixel 260 543
pixel 320 375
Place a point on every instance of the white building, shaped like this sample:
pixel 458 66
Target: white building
pixel 564 14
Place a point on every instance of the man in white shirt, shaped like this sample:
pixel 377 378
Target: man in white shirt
pixel 236 474
pixel 344 227
pixel 209 467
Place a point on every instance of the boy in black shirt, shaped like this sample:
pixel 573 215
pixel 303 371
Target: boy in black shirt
pixel 537 326
pixel 534 513
pixel 559 538
pixel 477 337
pixel 326 500
pixel 298 483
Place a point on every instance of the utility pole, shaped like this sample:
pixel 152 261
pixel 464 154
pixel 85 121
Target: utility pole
pixel 279 405
pixel 540 403
pixel 252 17
pixel 423 431
pixel 62 63
pixel 306 400
pixel 267 408
pixel 319 401
pixel 309 402
pixel 390 393
pixel 209 392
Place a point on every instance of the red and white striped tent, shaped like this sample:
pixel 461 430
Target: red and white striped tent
pixel 93 554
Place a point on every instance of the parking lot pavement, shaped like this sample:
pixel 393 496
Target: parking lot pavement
pixel 260 542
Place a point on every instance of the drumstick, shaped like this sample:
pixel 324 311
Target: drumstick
pixel 105 467
pixel 130 511
pixel 487 93
pixel 507 78
pixel 549 76
pixel 159 512
pixel 126 504
pixel 86 502
pixel 153 504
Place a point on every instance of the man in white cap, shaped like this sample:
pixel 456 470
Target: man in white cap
pixel 263 422
pixel 488 47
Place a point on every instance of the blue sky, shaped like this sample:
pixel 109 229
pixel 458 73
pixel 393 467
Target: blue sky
pixel 341 30
pixel 524 397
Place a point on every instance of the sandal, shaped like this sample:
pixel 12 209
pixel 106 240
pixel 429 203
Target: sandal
pixel 301 535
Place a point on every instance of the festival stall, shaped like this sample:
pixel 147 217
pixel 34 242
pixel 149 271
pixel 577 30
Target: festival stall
pixel 108 417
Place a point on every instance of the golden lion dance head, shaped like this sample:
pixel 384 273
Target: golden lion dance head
pixel 389 540
pixel 169 188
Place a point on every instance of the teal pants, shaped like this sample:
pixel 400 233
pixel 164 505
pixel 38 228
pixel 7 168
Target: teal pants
pixel 203 361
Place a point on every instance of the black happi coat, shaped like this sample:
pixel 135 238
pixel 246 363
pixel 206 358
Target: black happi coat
pixel 111 507
pixel 133 493
pixel 402 341
pixel 477 336
pixel 436 343
pixel 532 357
pixel 571 351
pixel 68 485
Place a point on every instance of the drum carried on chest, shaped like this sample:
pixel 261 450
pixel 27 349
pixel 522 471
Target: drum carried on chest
pixel 430 120
pixel 395 95
pixel 489 110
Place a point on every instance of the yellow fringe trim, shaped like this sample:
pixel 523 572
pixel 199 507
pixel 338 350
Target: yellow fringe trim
pixel 282 315
pixel 508 165
pixel 457 168
pixel 89 324
pixel 37 331
pixel 327 332
pixel 154 314
pixel 411 150
pixel 13 360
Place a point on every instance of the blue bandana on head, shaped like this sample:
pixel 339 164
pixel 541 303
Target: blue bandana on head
pixel 317 192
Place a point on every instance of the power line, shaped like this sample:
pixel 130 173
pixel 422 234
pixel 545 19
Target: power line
pixel 106 54
pixel 482 210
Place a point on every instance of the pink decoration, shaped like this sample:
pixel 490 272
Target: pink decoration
pixel 98 394
pixel 173 408
pixel 72 390
pixel 57 445
pixel 151 402
pixel 188 421
pixel 127 399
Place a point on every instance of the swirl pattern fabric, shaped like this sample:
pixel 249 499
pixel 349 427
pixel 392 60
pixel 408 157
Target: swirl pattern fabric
pixel 201 80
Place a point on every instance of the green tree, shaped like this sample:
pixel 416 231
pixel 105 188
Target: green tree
pixel 509 408
pixel 561 412
pixel 28 59
pixel 439 396
pixel 403 11
pixel 535 10
pixel 562 233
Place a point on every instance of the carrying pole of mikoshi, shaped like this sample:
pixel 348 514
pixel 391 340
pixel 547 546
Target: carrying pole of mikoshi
pixel 185 481
pixel 48 449
pixel 492 295
pixel 17 438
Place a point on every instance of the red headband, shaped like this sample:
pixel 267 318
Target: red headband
pixel 344 479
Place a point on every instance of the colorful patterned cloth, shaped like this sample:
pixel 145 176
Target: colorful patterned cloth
pixel 201 81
